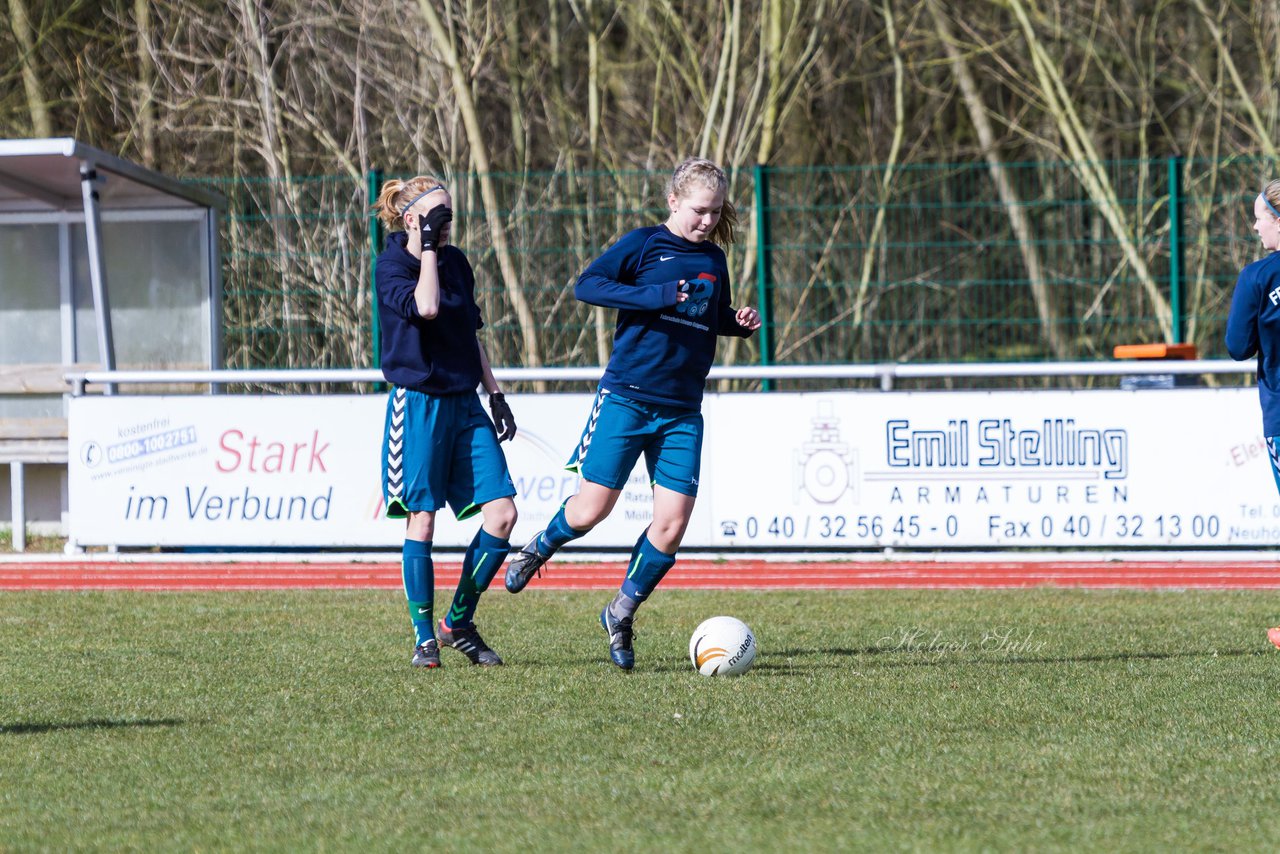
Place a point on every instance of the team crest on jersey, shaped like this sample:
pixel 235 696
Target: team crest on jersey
pixel 701 290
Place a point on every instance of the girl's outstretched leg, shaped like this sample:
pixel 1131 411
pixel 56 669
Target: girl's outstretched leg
pixel 589 507
pixel 645 569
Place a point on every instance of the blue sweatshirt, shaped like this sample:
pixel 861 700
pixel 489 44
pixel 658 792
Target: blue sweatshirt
pixel 437 356
pixel 662 351
pixel 1253 328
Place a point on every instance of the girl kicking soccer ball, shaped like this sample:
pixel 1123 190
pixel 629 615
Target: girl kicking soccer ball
pixel 670 285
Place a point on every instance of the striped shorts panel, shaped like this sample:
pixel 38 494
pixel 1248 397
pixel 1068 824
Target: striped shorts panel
pixel 438 450
pixel 619 430
pixel 1273 451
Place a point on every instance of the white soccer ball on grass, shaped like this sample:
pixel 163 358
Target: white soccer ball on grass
pixel 722 646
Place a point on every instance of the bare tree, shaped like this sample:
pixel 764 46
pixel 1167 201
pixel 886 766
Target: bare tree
pixel 32 81
pixel 480 155
pixel 887 126
pixel 1008 195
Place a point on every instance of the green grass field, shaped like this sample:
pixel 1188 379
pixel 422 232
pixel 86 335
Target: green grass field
pixel 874 720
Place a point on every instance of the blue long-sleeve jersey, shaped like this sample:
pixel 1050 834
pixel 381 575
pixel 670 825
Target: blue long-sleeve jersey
pixel 1253 328
pixel 662 350
pixel 436 356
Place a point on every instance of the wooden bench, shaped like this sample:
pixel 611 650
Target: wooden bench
pixel 32 441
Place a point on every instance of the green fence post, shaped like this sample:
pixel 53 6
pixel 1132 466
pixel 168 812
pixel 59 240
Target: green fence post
pixel 764 269
pixel 1175 247
pixel 375 241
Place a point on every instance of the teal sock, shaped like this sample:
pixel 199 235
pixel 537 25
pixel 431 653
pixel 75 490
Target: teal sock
pixel 419 587
pixel 485 554
pixel 557 533
pixel 646 569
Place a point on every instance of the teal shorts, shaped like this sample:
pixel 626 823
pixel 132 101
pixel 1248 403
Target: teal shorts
pixel 439 449
pixel 620 429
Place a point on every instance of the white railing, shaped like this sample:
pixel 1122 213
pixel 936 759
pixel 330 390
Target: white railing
pixel 887 374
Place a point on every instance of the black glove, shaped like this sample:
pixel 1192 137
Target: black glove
pixel 432 224
pixel 503 420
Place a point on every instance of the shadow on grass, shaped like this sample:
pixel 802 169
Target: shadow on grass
pixel 773 668
pixel 92 723
pixel 786 662
pixel 926 657
pixel 781 662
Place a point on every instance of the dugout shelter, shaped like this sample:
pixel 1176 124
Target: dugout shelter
pixel 103 264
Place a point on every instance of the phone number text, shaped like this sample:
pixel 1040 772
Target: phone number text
pixel 1134 527
pixel 152 444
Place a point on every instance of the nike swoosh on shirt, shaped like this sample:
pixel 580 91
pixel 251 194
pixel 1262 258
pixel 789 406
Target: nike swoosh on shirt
pixel 665 257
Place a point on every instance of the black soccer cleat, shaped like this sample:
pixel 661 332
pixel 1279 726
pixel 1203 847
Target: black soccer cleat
pixel 620 635
pixel 426 654
pixel 466 640
pixel 524 565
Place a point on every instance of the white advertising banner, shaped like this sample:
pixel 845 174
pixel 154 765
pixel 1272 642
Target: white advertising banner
pixel 261 471
pixel 1172 468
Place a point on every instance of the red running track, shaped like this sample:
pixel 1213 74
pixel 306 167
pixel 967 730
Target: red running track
pixel 747 574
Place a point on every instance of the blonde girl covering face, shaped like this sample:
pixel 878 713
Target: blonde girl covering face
pixel 438 446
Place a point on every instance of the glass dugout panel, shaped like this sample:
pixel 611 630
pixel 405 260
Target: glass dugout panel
pixel 158 291
pixel 30 306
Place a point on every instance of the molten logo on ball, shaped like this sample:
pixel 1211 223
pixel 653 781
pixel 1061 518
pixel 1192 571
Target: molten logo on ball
pixel 722 646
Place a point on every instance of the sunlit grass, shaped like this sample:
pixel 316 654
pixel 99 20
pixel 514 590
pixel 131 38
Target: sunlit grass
pixel 873 720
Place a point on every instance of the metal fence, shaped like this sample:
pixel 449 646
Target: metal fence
pixel 930 263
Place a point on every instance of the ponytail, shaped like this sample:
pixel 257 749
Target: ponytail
pixel 398 196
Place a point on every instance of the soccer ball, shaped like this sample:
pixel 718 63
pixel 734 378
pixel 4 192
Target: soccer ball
pixel 722 646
